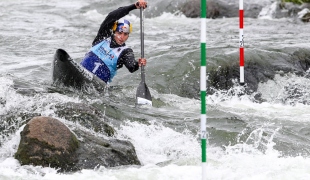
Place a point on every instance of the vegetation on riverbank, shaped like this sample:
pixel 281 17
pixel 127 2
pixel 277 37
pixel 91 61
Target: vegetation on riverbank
pixel 297 1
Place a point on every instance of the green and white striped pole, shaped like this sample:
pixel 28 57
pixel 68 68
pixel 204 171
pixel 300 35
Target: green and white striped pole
pixel 203 86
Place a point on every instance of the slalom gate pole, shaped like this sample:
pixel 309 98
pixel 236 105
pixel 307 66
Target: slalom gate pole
pixel 241 42
pixel 203 87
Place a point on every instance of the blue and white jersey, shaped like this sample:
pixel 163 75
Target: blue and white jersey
pixel 103 58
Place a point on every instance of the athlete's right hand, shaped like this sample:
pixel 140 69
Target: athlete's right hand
pixel 141 4
pixel 142 61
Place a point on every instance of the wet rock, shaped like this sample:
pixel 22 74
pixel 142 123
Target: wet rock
pixel 190 9
pixel 47 142
pixel 97 151
pixel 289 9
pixel 219 9
pixel 258 69
pixel 304 15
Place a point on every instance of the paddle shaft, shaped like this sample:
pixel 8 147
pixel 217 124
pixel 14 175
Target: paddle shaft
pixel 143 94
pixel 142 43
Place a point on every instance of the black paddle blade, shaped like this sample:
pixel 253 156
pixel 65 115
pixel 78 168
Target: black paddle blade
pixel 143 95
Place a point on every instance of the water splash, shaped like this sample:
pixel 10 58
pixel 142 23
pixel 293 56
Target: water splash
pixel 289 89
pixel 156 143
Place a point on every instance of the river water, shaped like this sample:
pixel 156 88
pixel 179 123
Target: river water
pixel 246 139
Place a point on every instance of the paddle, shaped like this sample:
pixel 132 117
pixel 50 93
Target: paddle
pixel 143 95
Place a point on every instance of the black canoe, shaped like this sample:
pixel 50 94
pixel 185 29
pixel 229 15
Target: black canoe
pixel 70 73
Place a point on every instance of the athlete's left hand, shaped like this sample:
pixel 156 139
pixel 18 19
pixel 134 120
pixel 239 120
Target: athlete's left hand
pixel 142 61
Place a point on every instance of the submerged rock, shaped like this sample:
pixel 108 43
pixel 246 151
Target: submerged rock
pixel 86 115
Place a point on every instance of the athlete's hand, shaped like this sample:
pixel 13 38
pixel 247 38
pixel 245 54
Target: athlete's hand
pixel 142 61
pixel 141 4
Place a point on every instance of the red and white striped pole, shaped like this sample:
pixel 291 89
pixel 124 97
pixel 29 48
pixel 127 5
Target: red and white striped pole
pixel 241 42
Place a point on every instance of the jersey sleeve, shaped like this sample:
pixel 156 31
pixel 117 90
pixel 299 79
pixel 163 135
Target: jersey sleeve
pixel 105 29
pixel 127 58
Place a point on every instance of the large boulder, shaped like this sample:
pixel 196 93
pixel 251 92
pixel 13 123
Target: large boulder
pixel 47 142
